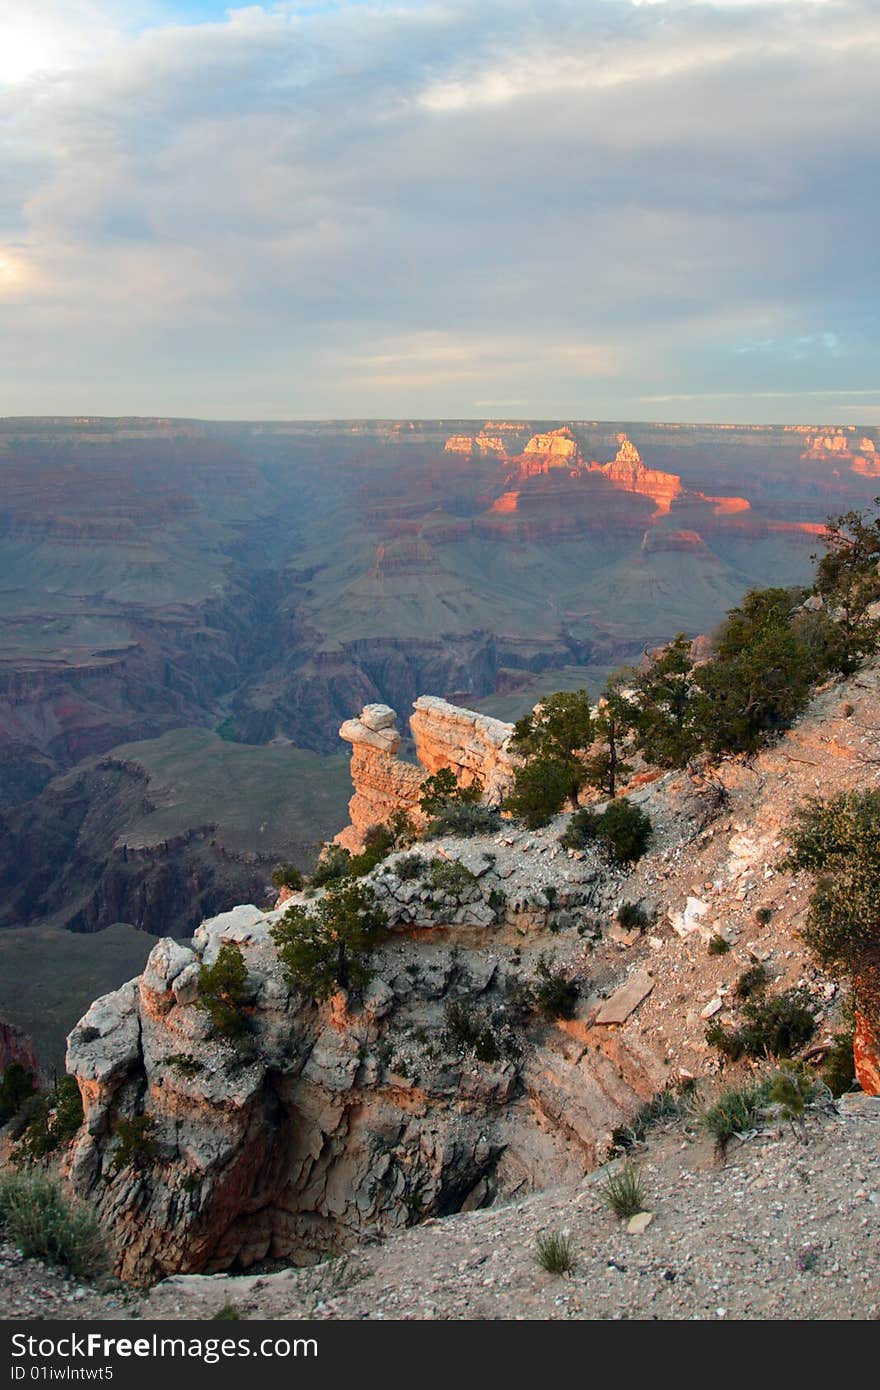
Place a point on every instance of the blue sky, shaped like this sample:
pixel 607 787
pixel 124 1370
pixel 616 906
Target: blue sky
pixel 579 208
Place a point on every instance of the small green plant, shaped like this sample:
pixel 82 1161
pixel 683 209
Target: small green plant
pixel 190 1183
pixel 623 1191
pixel 334 864
pixel 777 1026
pixel 467 1029
pixel 736 1111
pixel 634 917
pixel 623 830
pixel 672 1103
pixel 411 866
pixel 378 844
pixel 555 995
pixel 838 1069
pixel 223 992
pixel 54 1122
pixel 763 915
pixel 555 1253
pixel 751 982
pixel 36 1217
pixel 497 900
pixel 464 819
pixel 718 945
pixel 136 1143
pixel 451 877
pixel 16 1089
pixel 328 946
pixel 287 876
pixel 185 1063
pixel 443 788
pixel 229 1312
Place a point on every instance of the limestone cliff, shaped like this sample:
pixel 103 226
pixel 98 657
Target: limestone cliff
pixel 475 746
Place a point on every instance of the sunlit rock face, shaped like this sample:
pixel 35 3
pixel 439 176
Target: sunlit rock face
pixel 473 745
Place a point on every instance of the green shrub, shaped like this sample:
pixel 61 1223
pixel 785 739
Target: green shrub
pixel 838 1068
pixel 764 915
pixel 774 1027
pixel 497 900
pixel 467 1029
pixel 581 829
pixel 443 789
pixel 751 982
pixel 185 1063
pixel 229 1312
pixel 718 945
pixel 623 1191
pixel 672 1103
pixel 327 947
pixel 378 844
pixel 452 877
pixel 736 1111
pixel 410 866
pixel 462 818
pixel 136 1143
pixel 838 842
pixel 555 995
pixel 553 736
pixel 54 1123
pixel 634 917
pixel 334 864
pixel 287 876
pixel 622 829
pixel 36 1217
pixel 16 1088
pixel 540 790
pixel 555 1253
pixel 223 992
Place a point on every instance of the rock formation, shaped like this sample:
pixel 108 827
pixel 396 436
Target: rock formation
pixel 473 745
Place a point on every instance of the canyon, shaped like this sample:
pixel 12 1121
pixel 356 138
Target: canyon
pixel 170 586
pixel 348 1120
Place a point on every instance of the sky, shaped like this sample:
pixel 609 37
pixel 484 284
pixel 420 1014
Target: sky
pixel 554 209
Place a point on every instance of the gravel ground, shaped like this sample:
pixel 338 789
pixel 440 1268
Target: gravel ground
pixel 786 1227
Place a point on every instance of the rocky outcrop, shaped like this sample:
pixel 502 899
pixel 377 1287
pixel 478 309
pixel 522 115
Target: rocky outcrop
pixel 475 746
pixel 329 1121
pixel 16 1046
pixel 627 471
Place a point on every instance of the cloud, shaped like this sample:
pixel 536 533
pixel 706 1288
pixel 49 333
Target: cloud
pixel 588 206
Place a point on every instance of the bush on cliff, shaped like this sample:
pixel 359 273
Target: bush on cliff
pixel 623 830
pixel 223 992
pixel 838 841
pixel 553 734
pixel 16 1089
pixel 464 819
pixel 327 947
pixel 36 1217
pixel 55 1120
pixel 443 789
pixel 540 789
pixel 334 864
pixel 135 1143
pixel 287 876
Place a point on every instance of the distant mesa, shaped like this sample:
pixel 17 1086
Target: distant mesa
pixel 690 542
pixel 838 446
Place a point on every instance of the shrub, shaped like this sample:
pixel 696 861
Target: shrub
pixel 467 1029
pixel 497 900
pixel 136 1146
pixel 378 844
pixel 751 982
pixel 634 917
pixel 540 790
pixel 287 876
pixel 553 735
pixel 581 829
pixel 410 866
pixel 335 863
pixel 56 1119
pixel 555 995
pixel 463 818
pixel 718 945
pixel 838 841
pixel 625 830
pixel 229 1312
pixel 223 991
pixel 450 876
pixel 838 1069
pixel 737 1110
pixel 763 915
pixel 327 947
pixel 442 789
pixel 623 1191
pixel 671 1103
pixel 774 1027
pixel 185 1063
pixel 37 1218
pixel 16 1088
pixel 555 1253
